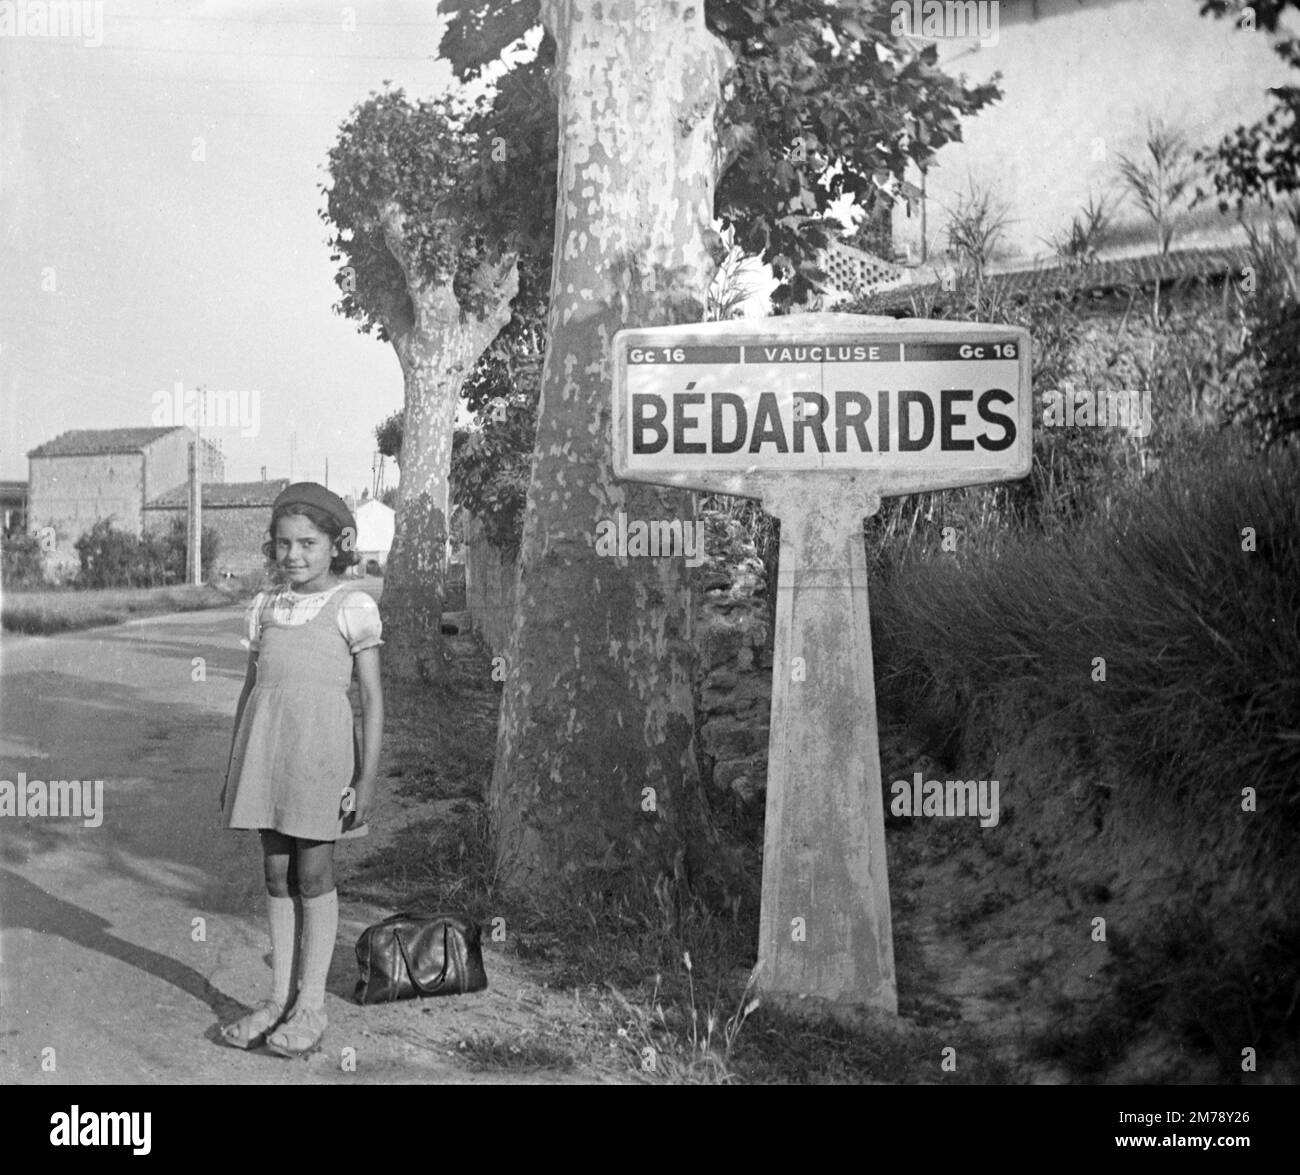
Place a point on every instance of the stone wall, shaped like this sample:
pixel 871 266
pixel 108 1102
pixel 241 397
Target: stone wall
pixel 241 531
pixel 489 587
pixel 733 683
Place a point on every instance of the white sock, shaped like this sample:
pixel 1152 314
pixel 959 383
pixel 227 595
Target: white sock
pixel 284 945
pixel 320 924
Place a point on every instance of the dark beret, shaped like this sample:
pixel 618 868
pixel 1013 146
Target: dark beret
pixel 309 493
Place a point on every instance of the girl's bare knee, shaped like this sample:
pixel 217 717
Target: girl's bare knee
pixel 277 878
pixel 315 868
pixel 312 885
pixel 275 865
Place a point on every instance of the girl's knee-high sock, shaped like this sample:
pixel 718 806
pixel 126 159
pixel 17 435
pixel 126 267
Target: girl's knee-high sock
pixel 284 944
pixel 320 924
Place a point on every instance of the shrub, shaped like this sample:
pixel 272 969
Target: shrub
pixel 1270 406
pixel 1278 413
pixel 23 562
pixel 489 474
pixel 174 547
pixel 115 558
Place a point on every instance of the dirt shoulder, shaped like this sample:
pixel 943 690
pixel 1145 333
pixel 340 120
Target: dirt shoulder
pixel 428 812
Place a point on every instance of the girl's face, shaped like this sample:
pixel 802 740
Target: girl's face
pixel 303 552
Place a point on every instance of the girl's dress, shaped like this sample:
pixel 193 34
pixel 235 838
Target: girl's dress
pixel 294 750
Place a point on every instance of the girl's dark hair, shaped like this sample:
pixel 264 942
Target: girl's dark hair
pixel 342 559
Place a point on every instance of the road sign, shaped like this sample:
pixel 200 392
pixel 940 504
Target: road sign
pixel 820 415
pixel 916 405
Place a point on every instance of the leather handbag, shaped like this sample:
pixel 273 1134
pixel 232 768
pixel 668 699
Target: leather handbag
pixel 411 955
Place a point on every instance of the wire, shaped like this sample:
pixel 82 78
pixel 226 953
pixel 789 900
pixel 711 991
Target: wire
pixel 172 80
pixel 259 53
pixel 189 19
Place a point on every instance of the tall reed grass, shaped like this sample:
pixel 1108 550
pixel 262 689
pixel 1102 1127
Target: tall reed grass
pixel 1200 637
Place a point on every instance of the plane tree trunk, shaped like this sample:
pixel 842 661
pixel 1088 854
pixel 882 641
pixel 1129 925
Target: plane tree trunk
pixel 595 765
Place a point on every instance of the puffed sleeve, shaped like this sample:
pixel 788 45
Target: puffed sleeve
pixel 359 622
pixel 253 623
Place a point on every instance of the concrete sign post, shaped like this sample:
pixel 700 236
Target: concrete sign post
pixel 820 416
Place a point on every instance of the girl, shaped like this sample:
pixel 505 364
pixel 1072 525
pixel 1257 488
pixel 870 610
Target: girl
pixel 293 753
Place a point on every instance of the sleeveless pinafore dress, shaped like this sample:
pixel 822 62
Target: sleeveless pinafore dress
pixel 294 751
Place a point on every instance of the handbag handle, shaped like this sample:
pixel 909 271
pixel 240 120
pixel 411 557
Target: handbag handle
pixel 410 971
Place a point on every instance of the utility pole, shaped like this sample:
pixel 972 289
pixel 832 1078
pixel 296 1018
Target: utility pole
pixel 196 497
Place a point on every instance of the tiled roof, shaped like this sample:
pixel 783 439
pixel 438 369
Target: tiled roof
pixel 854 271
pixel 1111 274
pixel 92 442
pixel 230 493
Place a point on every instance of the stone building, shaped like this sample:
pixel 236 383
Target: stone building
pixel 238 511
pixel 85 475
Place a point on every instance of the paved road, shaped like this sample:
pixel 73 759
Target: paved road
pixel 101 956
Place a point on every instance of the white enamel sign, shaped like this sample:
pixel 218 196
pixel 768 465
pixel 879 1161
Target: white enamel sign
pixel 916 404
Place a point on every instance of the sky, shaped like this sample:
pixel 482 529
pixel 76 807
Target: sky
pixel 159 200
pixel 160 192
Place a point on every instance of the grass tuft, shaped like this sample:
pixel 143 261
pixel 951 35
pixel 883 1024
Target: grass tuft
pixel 42 613
pixel 487 1052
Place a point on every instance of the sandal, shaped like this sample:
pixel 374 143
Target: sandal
pixel 249 1031
pixel 300 1035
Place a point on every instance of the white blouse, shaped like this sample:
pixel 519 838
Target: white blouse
pixel 358 615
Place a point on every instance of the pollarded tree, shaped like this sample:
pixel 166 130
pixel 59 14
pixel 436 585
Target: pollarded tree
pixel 419 274
pixel 490 462
pixel 669 113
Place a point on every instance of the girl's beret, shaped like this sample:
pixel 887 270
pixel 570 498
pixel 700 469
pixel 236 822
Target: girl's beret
pixel 309 493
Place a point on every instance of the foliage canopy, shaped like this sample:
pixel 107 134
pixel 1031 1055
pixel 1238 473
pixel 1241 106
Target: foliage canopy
pixel 823 100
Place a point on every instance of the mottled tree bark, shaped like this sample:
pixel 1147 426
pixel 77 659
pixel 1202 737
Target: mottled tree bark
pixel 436 350
pixel 597 704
